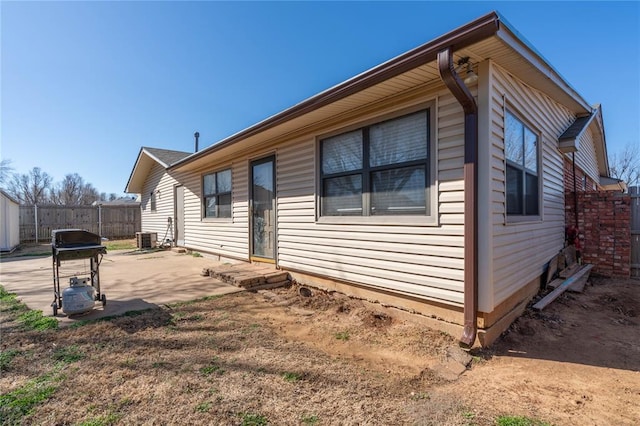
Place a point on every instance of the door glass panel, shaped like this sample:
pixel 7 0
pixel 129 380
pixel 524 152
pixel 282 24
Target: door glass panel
pixel 263 212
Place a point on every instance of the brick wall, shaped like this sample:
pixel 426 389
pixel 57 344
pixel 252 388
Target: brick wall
pixel 604 221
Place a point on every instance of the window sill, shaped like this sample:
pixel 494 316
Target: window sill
pixel 379 220
pixel 217 219
pixel 518 220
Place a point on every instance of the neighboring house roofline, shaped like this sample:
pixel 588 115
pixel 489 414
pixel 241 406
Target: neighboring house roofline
pixel 164 157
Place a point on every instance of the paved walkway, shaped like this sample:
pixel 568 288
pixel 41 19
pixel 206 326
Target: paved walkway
pixel 129 281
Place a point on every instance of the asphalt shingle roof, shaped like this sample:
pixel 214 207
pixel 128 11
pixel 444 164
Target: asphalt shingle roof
pixel 576 128
pixel 167 156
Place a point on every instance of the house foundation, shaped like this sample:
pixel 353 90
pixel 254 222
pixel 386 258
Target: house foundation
pixel 438 316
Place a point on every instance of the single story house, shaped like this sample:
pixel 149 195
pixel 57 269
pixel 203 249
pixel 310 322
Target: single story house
pixel 434 182
pixel 10 222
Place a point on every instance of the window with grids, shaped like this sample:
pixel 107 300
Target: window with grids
pixel 381 169
pixel 216 188
pixel 521 150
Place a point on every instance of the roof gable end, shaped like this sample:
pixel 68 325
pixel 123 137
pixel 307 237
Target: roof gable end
pixel 146 158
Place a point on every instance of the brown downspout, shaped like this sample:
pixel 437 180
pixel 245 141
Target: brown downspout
pixel 575 188
pixel 464 97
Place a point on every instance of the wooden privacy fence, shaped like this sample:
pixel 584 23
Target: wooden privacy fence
pixel 634 191
pixel 119 221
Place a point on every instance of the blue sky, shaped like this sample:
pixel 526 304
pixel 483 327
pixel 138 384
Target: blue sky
pixel 85 84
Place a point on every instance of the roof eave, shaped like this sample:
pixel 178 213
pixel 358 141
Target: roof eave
pixel 571 143
pixel 154 157
pixel 128 189
pixel 517 42
pixel 484 27
pixel 601 146
pixel 461 37
pixel 133 187
pixel 613 184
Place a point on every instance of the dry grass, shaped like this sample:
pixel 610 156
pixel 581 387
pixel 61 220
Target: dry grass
pixel 282 359
pixel 219 361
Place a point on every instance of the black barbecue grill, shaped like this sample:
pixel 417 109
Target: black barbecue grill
pixel 74 244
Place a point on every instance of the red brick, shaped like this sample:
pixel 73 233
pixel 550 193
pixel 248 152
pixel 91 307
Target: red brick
pixel 604 223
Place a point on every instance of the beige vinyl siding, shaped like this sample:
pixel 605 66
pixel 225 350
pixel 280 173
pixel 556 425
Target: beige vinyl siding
pixel 162 184
pixel 227 237
pixel 426 261
pixel 520 250
pixel 586 157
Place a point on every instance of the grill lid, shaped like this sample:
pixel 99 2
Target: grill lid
pixel 68 238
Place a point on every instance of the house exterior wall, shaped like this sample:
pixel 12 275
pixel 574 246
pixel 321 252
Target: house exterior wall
pixel 162 185
pixel 10 223
pixel 227 237
pixel 586 157
pixel 425 261
pixel 583 181
pixel 421 261
pixel 520 250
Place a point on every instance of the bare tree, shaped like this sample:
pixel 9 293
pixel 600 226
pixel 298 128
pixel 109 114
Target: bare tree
pixel 625 165
pixel 32 187
pixel 73 191
pixel 69 191
pixel 5 171
pixel 89 194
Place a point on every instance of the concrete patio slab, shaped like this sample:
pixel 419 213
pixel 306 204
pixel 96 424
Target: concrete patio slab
pixel 130 280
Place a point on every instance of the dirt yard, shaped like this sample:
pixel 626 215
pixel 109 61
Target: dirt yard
pixel 278 357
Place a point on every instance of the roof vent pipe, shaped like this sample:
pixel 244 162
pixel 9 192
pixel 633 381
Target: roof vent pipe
pixel 197 136
pixel 465 98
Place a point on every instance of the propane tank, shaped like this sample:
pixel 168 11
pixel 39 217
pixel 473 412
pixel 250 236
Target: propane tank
pixel 79 297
